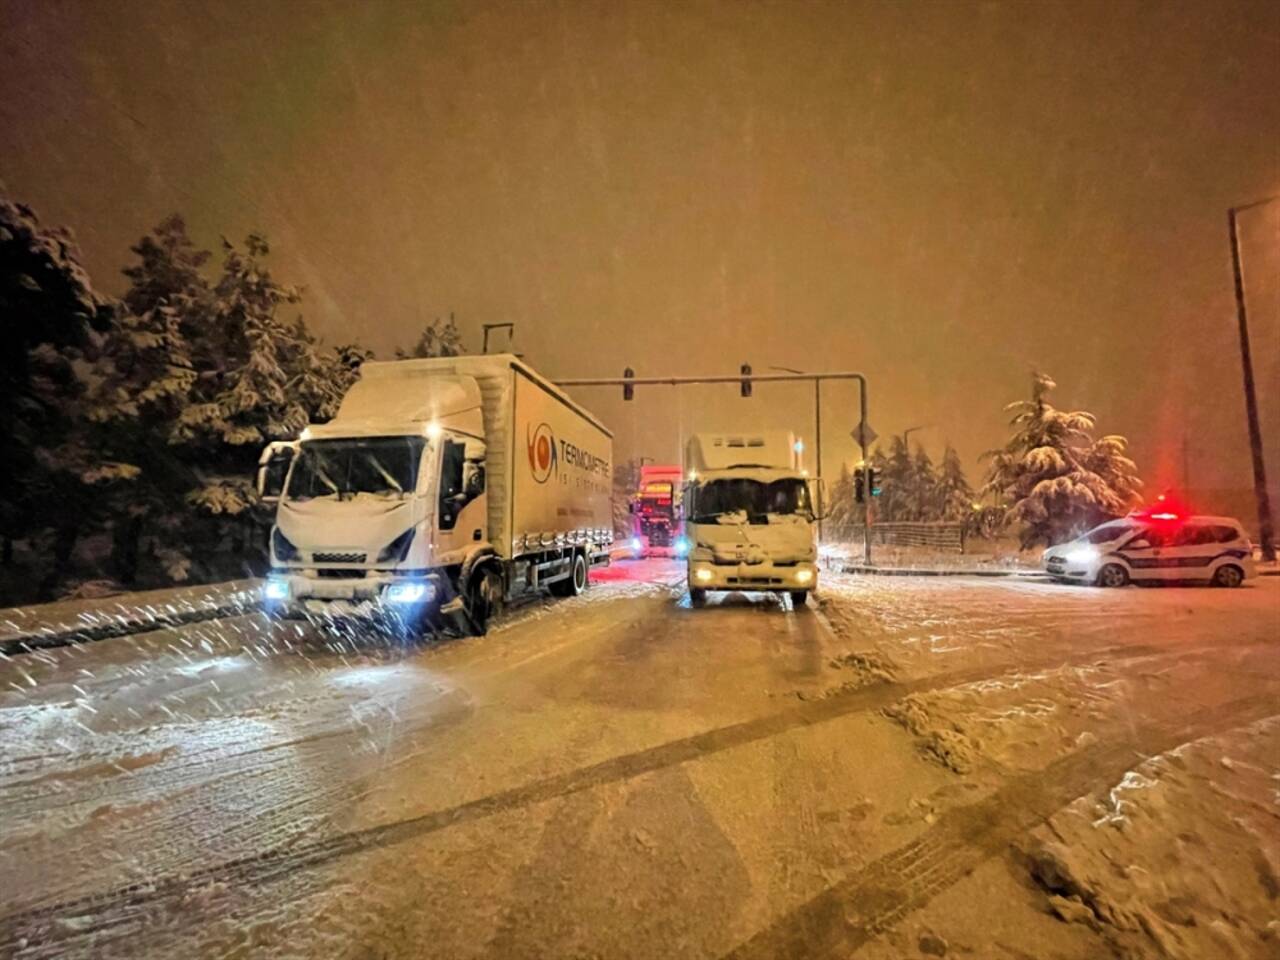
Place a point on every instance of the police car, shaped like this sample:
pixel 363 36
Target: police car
pixel 1156 546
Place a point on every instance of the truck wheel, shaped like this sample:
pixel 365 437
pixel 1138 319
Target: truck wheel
pixel 697 596
pixel 799 598
pixel 576 582
pixel 480 605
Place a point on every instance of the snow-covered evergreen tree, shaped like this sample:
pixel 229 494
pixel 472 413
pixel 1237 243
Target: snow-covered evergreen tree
pixel 439 338
pixel 1053 477
pixel 953 497
pixel 51 318
pixel 922 488
pixel 897 482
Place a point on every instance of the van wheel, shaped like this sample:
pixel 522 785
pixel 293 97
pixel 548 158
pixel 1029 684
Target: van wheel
pixel 799 598
pixel 697 596
pixel 1113 575
pixel 1228 575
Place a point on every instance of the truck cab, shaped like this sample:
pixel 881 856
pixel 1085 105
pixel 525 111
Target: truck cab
pixel 655 510
pixel 749 516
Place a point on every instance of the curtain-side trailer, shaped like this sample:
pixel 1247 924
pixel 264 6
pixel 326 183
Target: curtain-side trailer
pixel 443 486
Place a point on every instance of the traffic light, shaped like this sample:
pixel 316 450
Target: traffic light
pixel 628 391
pixel 746 379
pixel 859 487
pixel 874 481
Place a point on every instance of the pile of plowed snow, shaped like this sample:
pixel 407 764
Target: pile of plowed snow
pixel 1020 721
pixel 1181 858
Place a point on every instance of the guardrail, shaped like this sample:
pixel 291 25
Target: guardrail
pixel 941 536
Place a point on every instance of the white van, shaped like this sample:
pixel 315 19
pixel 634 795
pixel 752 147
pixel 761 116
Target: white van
pixel 1156 547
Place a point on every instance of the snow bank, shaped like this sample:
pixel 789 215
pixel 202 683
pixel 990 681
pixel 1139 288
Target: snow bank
pixel 1180 858
pixel 1018 721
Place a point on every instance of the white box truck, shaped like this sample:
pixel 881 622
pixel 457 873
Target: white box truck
pixel 442 488
pixel 749 516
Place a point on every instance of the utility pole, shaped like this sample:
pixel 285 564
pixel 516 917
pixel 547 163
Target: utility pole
pixel 1266 530
pixel 817 436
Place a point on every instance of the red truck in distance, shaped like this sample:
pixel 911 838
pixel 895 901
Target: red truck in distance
pixel 656 524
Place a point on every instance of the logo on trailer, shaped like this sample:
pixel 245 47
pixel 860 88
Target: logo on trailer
pixel 541 444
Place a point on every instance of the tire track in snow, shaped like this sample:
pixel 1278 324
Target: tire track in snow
pixel 843 918
pixel 100 912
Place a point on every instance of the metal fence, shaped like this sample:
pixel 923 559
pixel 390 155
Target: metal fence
pixel 940 536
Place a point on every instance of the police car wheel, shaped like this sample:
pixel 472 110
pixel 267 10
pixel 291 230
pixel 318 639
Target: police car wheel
pixel 1228 575
pixel 1113 575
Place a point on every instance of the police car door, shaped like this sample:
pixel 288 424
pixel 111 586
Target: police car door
pixel 1142 553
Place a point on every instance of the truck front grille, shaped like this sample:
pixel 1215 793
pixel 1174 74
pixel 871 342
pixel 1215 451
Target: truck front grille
pixel 337 557
pixel 756 581
pixel 341 573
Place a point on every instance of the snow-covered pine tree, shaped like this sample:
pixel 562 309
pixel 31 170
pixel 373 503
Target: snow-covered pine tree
pixel 1054 478
pixel 897 481
pixel 439 338
pixel 922 491
pixel 146 372
pixel 953 497
pixel 51 318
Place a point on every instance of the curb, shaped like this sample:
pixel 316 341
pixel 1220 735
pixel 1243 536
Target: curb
pixel 936 572
pixel 66 636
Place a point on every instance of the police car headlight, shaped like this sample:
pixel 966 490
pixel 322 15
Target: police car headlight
pixel 1082 555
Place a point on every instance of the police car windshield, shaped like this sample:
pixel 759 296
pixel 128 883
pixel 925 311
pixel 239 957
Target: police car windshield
pixel 1110 531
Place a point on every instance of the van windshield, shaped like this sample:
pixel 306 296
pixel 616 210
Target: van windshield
pixel 718 499
pixel 342 468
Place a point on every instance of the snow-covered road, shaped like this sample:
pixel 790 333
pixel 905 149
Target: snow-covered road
pixel 906 767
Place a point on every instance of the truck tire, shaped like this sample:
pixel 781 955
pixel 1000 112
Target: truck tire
pixel 576 582
pixel 697 597
pixel 479 602
pixel 799 598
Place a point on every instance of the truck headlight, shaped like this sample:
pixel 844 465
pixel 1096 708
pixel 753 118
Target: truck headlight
pixel 411 591
pixel 702 575
pixel 398 548
pixel 682 546
pixel 276 589
pixel 281 547
pixel 804 575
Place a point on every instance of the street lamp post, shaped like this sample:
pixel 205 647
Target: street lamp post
pixel 907 432
pixel 1266 529
pixel 817 436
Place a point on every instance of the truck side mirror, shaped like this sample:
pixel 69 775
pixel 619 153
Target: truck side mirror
pixel 273 469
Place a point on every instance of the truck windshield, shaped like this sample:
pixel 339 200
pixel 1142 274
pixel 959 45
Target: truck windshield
pixel 343 468
pixel 755 498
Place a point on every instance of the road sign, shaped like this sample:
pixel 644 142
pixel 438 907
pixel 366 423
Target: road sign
pixel 863 435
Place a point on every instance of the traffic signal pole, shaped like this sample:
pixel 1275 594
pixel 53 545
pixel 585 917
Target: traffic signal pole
pixel 629 382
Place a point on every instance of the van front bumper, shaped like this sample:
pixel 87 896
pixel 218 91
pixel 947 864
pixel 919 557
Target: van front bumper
pixel 706 575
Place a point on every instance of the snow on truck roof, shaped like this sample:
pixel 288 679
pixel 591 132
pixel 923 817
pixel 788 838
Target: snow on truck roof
pixel 444 380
